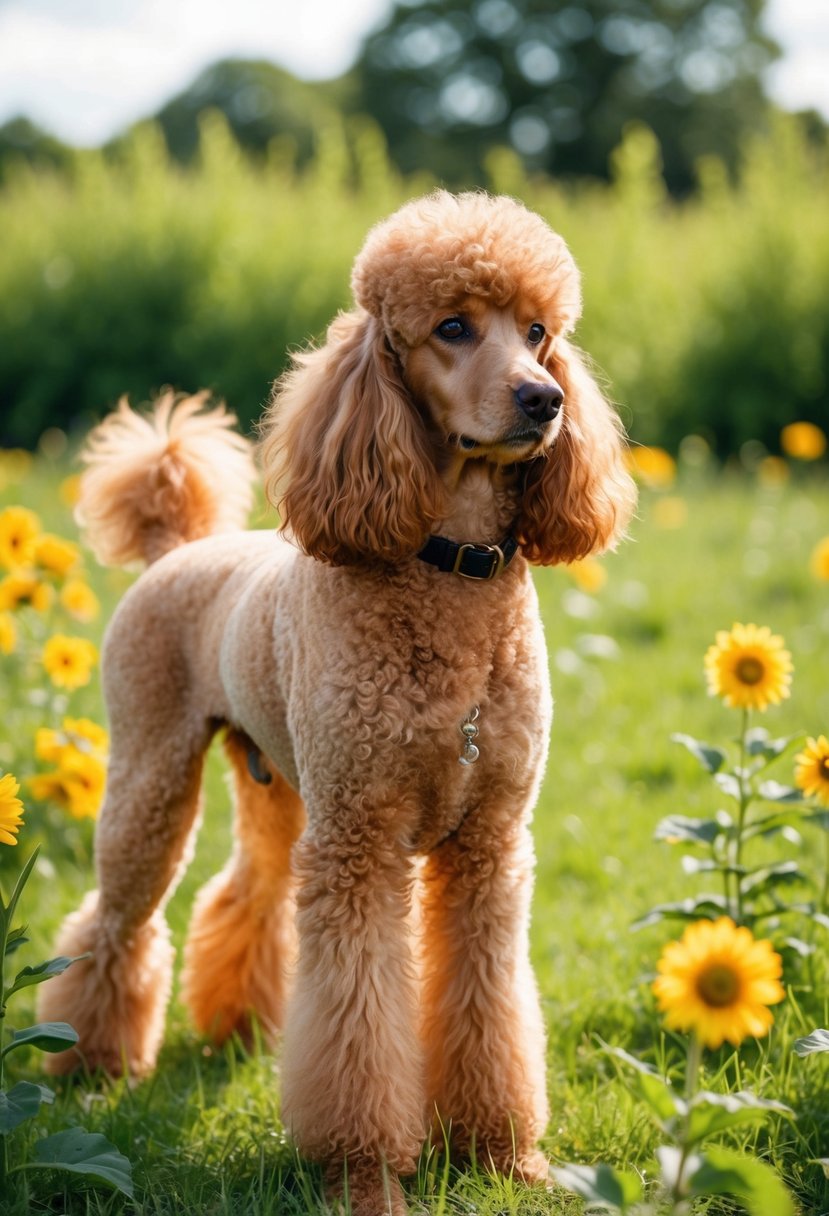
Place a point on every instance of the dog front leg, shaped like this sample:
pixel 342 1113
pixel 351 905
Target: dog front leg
pixel 352 1085
pixel 482 1024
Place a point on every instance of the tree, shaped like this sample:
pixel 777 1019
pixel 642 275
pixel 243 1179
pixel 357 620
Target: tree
pixel 558 80
pixel 259 100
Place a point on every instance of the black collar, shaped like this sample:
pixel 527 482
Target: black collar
pixel 469 560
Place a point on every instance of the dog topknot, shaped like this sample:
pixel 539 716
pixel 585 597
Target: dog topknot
pixel 435 250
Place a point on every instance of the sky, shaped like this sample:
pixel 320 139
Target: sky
pixel 84 69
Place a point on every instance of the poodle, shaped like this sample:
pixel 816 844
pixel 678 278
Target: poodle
pixel 381 678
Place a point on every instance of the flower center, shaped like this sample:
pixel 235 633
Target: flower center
pixel 718 985
pixel 750 671
pixel 823 767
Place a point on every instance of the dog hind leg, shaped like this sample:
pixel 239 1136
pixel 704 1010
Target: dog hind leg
pixel 241 942
pixel 116 1000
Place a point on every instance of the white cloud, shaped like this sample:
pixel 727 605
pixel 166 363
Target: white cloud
pixel 86 68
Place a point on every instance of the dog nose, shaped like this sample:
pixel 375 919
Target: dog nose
pixel 541 402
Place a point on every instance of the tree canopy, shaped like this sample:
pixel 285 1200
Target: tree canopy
pixel 558 80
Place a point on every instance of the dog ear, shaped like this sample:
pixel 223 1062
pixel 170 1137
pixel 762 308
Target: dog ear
pixel 345 454
pixel 578 497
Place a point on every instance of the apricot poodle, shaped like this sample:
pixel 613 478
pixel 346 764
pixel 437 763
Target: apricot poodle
pixel 382 679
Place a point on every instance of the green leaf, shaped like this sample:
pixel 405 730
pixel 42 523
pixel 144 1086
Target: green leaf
pixel 772 876
pixel 818 1040
pixel 823 1162
pixel 705 906
pixel 22 1102
pixel 43 971
pixel 15 939
pixel 755 1184
pixel 600 1185
pixel 773 791
pixel 651 1086
pixel 84 1153
pixel 729 785
pixel 680 828
pixel 711 758
pixel 22 879
pixel 47 1036
pixel 710 1112
pixel 770 825
pixel 758 743
pixel 670 1162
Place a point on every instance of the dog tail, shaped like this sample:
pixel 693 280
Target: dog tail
pixel 155 481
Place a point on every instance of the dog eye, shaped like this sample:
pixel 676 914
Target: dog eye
pixel 451 329
pixel 535 334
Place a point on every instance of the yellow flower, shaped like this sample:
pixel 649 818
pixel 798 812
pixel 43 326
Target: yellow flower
pixel 748 667
pixel 69 489
pixel 69 661
pixel 79 600
pixel 78 733
pixel 8 633
pixel 803 441
pixel 79 751
pixel 11 809
pixel 18 590
pixel 19 530
pixel 654 466
pixel 83 778
pixel 56 555
pixel 819 562
pixel 588 574
pixel 717 981
pixel 812 769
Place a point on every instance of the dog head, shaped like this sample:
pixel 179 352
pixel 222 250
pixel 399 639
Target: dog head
pixel 458 342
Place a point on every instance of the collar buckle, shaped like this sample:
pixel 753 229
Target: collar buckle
pixel 497 566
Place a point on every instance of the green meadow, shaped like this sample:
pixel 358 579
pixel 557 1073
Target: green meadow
pixel 626 660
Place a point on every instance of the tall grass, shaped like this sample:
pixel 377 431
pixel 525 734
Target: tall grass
pixel 124 275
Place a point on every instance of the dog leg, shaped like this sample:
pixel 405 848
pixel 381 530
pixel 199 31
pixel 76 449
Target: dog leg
pixel 116 1000
pixel 241 942
pixel 352 1087
pixel 482 1025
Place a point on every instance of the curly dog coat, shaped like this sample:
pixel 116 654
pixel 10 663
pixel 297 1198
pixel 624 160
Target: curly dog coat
pixel 376 903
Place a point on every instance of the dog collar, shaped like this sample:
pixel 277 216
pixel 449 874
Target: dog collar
pixel 469 560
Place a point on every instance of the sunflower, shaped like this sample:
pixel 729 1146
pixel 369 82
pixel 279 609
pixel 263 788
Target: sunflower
pixel 79 600
pixel 819 562
pixel 19 530
pixel 717 981
pixel 8 633
pixel 56 555
pixel 69 661
pixel 11 809
pixel 811 772
pixel 803 441
pixel 24 588
pixel 748 667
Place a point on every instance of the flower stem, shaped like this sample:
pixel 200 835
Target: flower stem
pixel 745 798
pixel 4 935
pixel 679 1204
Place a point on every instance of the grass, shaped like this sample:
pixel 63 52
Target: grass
pixel 204 1131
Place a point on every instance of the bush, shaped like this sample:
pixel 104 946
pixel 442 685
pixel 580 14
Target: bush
pixel 126 275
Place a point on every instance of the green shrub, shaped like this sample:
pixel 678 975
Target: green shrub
pixel 126 275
